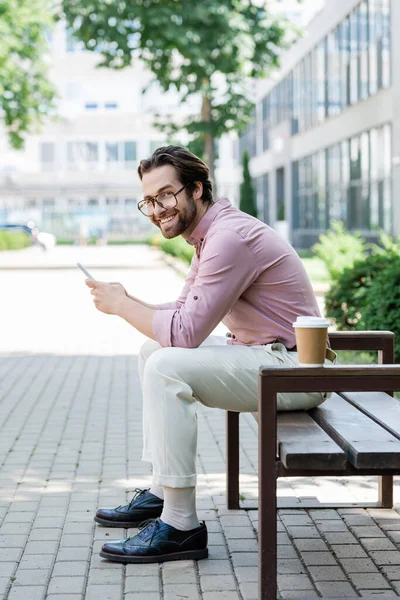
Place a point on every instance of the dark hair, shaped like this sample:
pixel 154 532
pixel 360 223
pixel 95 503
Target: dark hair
pixel 188 166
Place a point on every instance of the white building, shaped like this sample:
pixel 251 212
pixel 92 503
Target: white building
pixel 78 174
pixel 324 141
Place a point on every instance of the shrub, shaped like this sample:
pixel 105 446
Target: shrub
pixel 339 249
pixel 13 240
pixel 247 202
pixel 177 247
pixel 383 308
pixel 349 294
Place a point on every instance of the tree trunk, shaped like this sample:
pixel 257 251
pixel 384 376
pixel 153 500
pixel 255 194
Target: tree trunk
pixel 209 148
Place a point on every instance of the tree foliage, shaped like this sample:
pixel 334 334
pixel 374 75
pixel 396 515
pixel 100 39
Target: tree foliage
pixel 210 48
pixel 26 95
pixel 248 202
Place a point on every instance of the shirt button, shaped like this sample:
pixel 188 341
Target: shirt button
pixel 234 337
pixel 195 297
pixel 202 239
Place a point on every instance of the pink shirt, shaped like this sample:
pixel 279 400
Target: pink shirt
pixel 244 274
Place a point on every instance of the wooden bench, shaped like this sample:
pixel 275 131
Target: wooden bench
pixel 355 432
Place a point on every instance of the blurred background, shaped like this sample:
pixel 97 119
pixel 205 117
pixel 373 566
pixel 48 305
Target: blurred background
pixel 294 105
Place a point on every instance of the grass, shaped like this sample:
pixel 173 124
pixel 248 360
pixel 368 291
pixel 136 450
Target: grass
pixel 316 269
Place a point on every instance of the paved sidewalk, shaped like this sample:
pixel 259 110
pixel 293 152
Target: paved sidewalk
pixel 70 441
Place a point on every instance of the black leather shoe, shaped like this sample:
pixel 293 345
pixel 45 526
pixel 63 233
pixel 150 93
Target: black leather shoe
pixel 144 505
pixel 158 542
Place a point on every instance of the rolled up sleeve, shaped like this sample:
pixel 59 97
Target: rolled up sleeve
pixel 225 270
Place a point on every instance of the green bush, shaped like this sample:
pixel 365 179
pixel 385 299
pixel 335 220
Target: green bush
pixel 383 308
pixel 349 293
pixel 339 249
pixel 14 241
pixel 177 247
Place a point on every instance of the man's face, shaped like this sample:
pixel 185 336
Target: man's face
pixel 171 221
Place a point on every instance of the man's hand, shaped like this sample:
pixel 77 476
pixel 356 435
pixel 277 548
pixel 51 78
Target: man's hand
pixel 108 297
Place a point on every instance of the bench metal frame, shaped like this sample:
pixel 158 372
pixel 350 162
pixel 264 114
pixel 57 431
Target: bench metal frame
pixel 274 380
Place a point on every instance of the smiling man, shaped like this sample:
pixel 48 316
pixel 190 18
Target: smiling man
pixel 243 274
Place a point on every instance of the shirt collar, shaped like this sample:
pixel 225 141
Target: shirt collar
pixel 199 232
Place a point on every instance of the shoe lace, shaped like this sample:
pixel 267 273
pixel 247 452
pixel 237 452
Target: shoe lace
pixel 138 492
pixel 149 526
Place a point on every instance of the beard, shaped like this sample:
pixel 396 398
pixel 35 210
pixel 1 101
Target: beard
pixel 182 220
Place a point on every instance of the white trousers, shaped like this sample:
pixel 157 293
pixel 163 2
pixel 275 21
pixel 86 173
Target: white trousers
pixel 217 375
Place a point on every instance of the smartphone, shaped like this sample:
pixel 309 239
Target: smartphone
pixel 88 275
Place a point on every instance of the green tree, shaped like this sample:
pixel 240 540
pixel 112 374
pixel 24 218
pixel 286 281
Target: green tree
pixel 209 48
pixel 26 95
pixel 248 202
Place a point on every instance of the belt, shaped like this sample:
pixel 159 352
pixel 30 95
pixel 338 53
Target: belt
pixel 330 354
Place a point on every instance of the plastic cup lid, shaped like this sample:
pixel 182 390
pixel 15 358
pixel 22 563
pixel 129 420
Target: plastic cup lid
pixel 311 321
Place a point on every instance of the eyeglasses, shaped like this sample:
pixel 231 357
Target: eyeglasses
pixel 164 200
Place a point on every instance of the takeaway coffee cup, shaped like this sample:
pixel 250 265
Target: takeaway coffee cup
pixel 311 340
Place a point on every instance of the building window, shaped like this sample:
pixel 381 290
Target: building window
pixel 110 105
pixel 91 106
pixel 93 202
pixel 154 145
pixel 48 203
pixel 47 156
pixel 349 182
pixel 130 151
pixel 82 154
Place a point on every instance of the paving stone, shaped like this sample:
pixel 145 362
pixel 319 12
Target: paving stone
pixel 246 574
pixel 358 565
pixel 142 596
pixel 242 545
pixel 143 584
pixel 248 590
pixel 294 582
pixel 306 532
pixel 386 557
pixel 70 569
pixel 31 577
pixel 186 592
pixel 221 595
pixel 105 592
pixel 244 559
pixel 378 544
pixel 290 566
pixel 313 545
pixel 338 589
pixel 214 567
pixel 296 595
pixel 40 535
pixel 37 561
pixel 47 547
pixel 105 576
pixel 211 583
pixel 333 537
pixel 239 532
pixel 28 591
pixel 330 573
pixel 368 581
pixel 73 554
pixel 61 585
pixel 367 532
pixel 318 558
pixel 187 575
pixel 349 551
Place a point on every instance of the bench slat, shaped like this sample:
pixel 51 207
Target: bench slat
pixel 381 407
pixel 366 444
pixel 302 444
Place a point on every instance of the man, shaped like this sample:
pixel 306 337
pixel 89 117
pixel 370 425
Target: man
pixel 243 274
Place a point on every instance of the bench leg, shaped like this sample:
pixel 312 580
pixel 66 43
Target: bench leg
pixel 385 487
pixel 267 537
pixel 232 460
